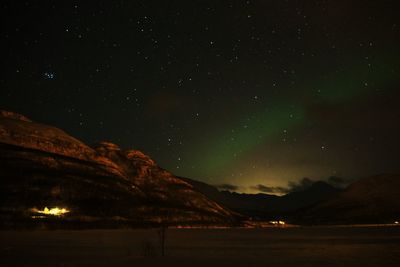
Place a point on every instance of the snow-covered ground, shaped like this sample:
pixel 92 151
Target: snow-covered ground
pixel 303 246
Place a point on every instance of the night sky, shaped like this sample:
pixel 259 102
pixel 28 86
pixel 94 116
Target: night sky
pixel 243 93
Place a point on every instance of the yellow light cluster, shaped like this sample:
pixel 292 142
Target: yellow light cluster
pixel 53 211
pixel 277 222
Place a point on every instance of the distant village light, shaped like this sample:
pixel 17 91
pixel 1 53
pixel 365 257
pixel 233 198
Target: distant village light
pixel 277 222
pixel 52 211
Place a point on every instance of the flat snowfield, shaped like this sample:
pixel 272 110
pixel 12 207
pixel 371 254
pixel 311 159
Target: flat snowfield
pixel 303 246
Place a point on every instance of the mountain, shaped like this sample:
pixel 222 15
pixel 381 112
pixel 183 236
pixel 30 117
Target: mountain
pixel 317 192
pixel 264 206
pixel 104 185
pixel 374 199
pixel 42 166
pixel 252 205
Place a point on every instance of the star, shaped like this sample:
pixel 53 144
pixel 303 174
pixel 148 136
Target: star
pixel 49 75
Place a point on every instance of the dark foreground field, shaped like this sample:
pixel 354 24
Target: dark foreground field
pixel 313 246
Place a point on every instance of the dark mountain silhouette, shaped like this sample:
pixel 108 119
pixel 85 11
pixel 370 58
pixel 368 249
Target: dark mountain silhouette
pixel 317 192
pixel 253 205
pixel 43 166
pixel 373 199
pixel 266 206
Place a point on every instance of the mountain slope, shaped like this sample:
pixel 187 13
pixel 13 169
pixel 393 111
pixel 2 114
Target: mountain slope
pixel 318 192
pixel 266 206
pixel 253 205
pixel 159 185
pixel 43 166
pixel 373 199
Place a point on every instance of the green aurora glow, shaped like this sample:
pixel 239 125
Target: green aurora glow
pixel 227 147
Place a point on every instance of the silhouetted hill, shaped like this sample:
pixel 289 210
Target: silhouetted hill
pixel 41 165
pixel 319 191
pixel 266 206
pixel 253 205
pixel 373 199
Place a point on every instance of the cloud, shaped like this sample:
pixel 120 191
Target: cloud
pixel 293 186
pixel 270 189
pixel 338 181
pixel 227 187
pixel 301 185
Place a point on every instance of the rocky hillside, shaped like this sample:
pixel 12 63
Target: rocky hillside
pixel 42 166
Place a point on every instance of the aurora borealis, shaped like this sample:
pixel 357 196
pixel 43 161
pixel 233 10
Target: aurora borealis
pixel 227 92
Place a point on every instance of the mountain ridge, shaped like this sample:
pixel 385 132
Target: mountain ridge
pixel 43 166
pixel 266 206
pixel 372 199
